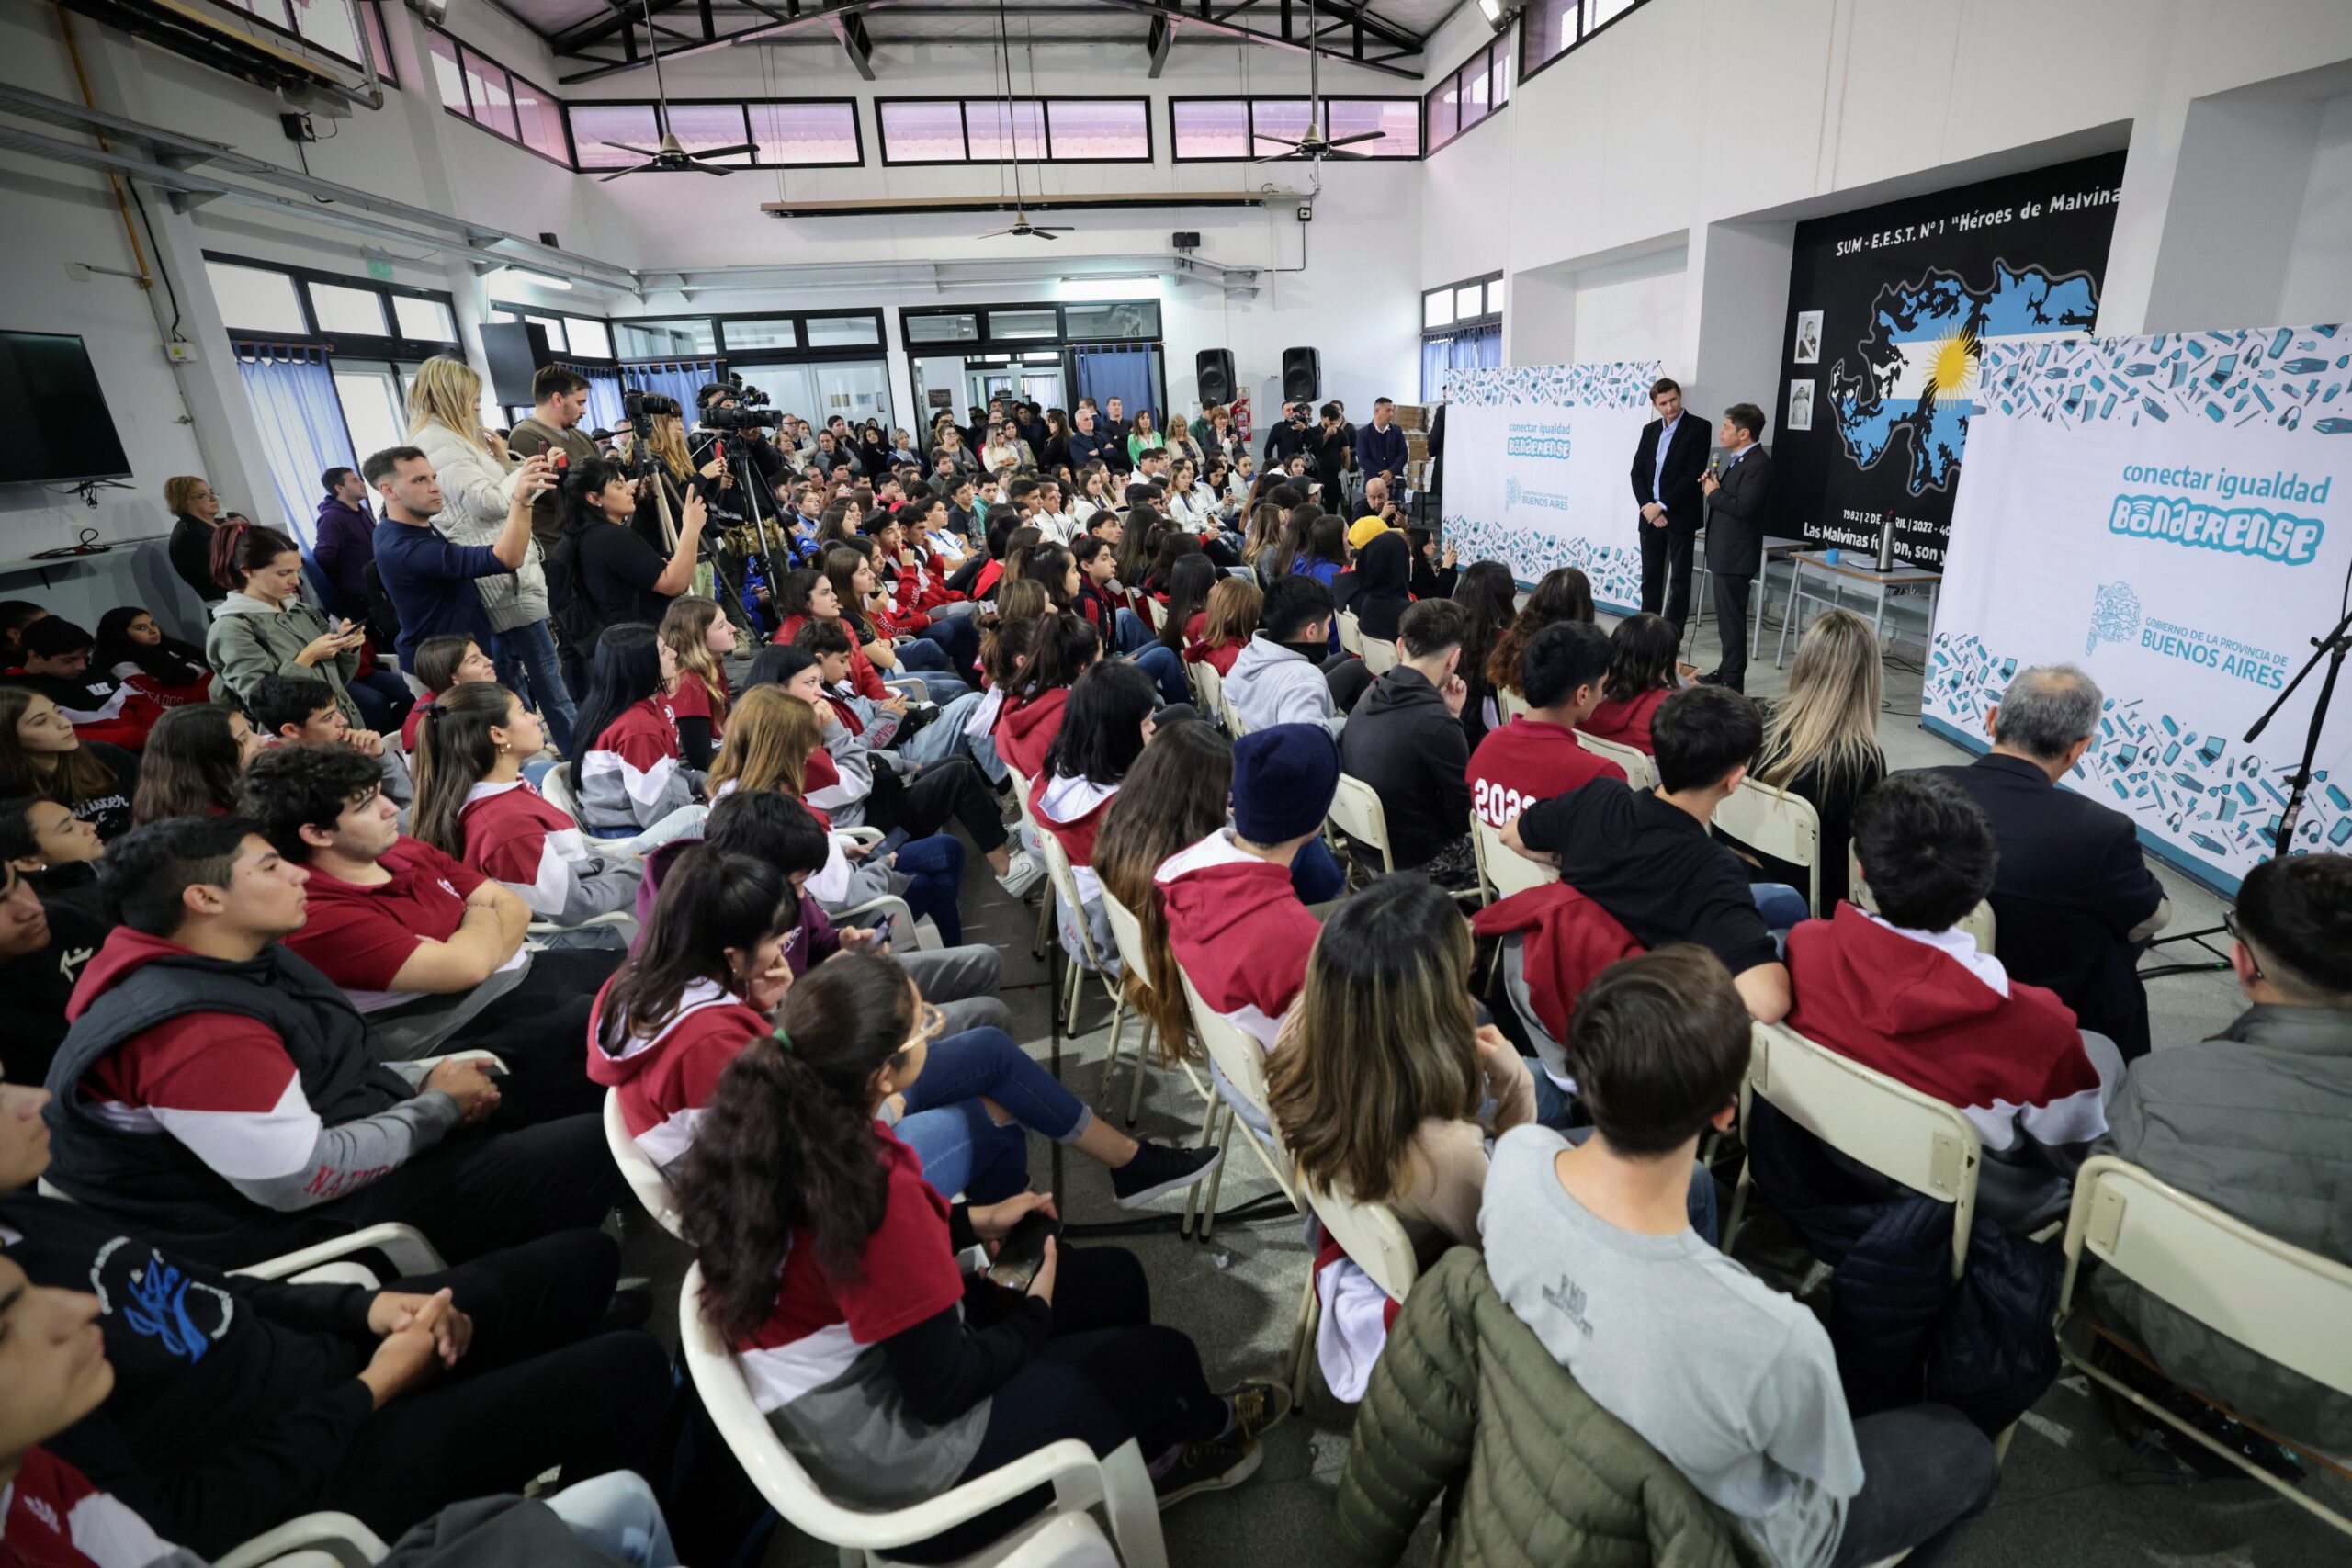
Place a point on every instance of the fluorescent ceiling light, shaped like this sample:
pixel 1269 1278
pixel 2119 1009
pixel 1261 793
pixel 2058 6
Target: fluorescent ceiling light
pixel 536 278
pixel 1494 11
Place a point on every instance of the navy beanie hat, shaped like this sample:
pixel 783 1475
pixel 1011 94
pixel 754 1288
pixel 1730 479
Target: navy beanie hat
pixel 1284 779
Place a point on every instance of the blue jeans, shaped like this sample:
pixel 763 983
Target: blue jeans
pixel 964 1151
pixel 1133 634
pixel 957 637
pixel 529 667
pixel 1314 874
pixel 1166 666
pixel 936 865
pixel 944 736
pixel 617 1513
pixel 384 699
pixel 928 662
pixel 1782 907
pixel 987 1062
pixel 1552 1105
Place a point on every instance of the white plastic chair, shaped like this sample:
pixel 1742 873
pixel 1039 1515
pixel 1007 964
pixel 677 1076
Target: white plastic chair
pixel 1503 871
pixel 1064 878
pixel 1890 1127
pixel 557 789
pixel 1068 1541
pixel 314 1540
pixel 1135 953
pixel 2281 1302
pixel 1510 705
pixel 1209 689
pixel 1238 1055
pixel 1379 657
pixel 1776 823
pixel 644 1178
pixel 1375 1240
pixel 1640 772
pixel 403 1247
pixel 873 910
pixel 1234 726
pixel 1119 1482
pixel 1037 836
pixel 1356 811
pixel 1351 633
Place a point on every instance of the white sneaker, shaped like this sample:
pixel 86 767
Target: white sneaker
pixel 1023 874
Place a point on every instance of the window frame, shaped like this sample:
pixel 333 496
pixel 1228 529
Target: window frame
pixel 571 158
pixel 509 311
pixel 987 343
pixel 285 28
pixel 1485 317
pixel 1527 72
pixel 1499 53
pixel 1250 122
pixel 753 160
pixel 351 345
pixel 1045 119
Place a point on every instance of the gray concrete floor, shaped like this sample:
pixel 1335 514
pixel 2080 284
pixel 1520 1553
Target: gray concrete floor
pixel 2072 1494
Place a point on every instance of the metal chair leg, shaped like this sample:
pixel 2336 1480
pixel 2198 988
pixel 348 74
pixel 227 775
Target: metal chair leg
pixel 1118 1028
pixel 1134 1074
pixel 1216 1179
pixel 1310 1312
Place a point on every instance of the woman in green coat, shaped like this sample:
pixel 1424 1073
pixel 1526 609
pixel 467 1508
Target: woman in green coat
pixel 264 629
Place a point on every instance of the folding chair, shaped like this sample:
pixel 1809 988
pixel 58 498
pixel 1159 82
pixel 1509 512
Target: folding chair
pixel 1640 772
pixel 1064 879
pixel 1036 835
pixel 1892 1128
pixel 1356 812
pixel 312 1540
pixel 1350 634
pixel 1208 691
pixel 1236 1055
pixel 1379 657
pixel 1503 871
pixel 1510 705
pixel 1120 1484
pixel 1068 1541
pixel 644 1178
pixel 2281 1302
pixel 883 904
pixel 1135 957
pixel 1233 725
pixel 1375 1240
pixel 1776 823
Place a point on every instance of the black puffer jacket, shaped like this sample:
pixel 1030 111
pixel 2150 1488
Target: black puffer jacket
pixel 1403 742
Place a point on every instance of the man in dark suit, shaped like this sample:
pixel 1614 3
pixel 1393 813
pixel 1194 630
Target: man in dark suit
pixel 1735 489
pixel 2072 900
pixel 1668 462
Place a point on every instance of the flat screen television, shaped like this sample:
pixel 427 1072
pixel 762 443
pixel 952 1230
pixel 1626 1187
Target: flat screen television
pixel 54 427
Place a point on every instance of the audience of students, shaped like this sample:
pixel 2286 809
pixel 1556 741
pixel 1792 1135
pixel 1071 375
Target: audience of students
pixel 1104 729
pixel 263 627
pixel 630 776
pixel 133 649
pixel 2073 900
pixel 1564 594
pixel 54 659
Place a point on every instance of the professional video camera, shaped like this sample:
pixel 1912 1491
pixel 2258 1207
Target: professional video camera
pixel 640 407
pixel 750 396
pixel 719 416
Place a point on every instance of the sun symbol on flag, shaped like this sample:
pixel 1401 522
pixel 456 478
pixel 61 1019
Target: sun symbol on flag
pixel 1952 367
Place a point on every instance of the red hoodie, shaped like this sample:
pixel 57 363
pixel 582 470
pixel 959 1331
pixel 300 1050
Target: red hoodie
pixel 1025 733
pixel 1073 811
pixel 1567 940
pixel 1527 761
pixel 2008 1056
pixel 665 1078
pixel 1628 723
pixel 1238 929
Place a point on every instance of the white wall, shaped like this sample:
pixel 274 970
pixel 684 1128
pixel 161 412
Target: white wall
pixel 2317 284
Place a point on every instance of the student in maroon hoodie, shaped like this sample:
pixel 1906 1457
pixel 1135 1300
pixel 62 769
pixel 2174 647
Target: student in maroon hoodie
pixel 1061 649
pixel 1107 723
pixel 1235 923
pixel 1536 756
pixel 1905 993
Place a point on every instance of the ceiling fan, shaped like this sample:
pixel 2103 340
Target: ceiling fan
pixel 1022 228
pixel 672 158
pixel 1317 143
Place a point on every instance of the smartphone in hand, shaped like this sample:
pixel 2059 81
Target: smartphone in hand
pixel 1023 1251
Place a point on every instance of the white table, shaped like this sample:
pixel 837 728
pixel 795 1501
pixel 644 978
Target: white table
pixel 1703 584
pixel 1833 579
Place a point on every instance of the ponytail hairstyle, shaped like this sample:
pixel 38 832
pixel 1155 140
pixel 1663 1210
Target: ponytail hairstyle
pixel 786 1144
pixel 627 671
pixel 685 626
pixel 710 902
pixel 238 549
pixel 1061 649
pixel 192 765
pixel 1188 583
pixel 455 751
pixel 769 742
pixel 1101 732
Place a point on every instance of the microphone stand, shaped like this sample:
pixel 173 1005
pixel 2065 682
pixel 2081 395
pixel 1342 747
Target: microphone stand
pixel 2333 647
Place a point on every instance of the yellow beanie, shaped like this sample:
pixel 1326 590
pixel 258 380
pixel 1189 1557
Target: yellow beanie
pixel 1366 529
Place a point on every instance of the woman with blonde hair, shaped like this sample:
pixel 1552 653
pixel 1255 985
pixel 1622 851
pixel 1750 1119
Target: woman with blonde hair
pixel 1380 1071
pixel 1821 742
pixel 769 745
pixel 700 636
pixel 196 512
pixel 477 478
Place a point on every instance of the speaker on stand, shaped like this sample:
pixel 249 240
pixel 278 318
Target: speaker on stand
pixel 1302 375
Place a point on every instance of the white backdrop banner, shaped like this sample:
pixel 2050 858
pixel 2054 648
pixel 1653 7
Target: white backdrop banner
pixel 2174 515
pixel 1537 461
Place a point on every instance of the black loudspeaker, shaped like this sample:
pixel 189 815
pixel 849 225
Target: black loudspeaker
pixel 1302 375
pixel 1212 368
pixel 516 351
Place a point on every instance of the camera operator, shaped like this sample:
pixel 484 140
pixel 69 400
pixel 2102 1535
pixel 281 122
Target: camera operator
pixel 559 402
pixel 728 412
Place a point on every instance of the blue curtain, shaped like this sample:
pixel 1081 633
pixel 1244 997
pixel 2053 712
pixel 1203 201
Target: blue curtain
pixel 679 379
pixel 1479 348
pixel 1129 372
pixel 302 431
pixel 604 397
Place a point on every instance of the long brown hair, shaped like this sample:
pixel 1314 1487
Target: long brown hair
pixel 786 1142
pixel 1384 1038
pixel 769 743
pixel 1020 606
pixel 1565 594
pixel 1174 795
pixel 1233 610
pixel 685 626
pixel 79 774
pixel 190 767
pixel 455 751
pixel 709 902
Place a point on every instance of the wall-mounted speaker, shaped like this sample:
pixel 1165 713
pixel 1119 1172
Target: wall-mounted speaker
pixel 1302 375
pixel 516 351
pixel 1212 368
